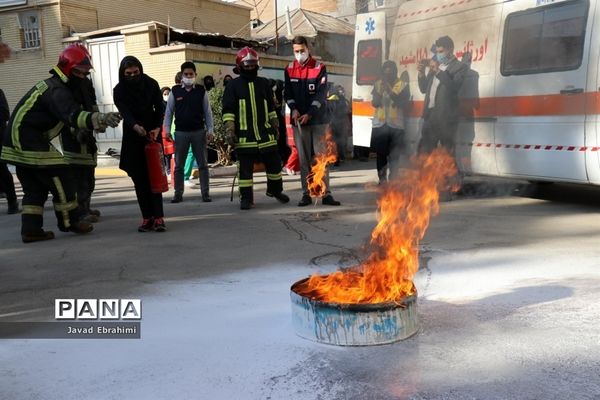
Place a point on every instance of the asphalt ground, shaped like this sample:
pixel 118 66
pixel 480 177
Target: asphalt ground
pixel 507 304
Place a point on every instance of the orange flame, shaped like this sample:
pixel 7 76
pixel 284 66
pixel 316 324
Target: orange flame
pixel 318 170
pixel 405 206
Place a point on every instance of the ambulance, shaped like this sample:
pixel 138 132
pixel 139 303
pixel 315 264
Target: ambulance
pixel 531 98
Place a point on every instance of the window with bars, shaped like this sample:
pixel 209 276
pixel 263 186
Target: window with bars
pixel 30 29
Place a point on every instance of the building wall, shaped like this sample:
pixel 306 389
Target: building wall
pixel 28 66
pixel 58 19
pixel 196 15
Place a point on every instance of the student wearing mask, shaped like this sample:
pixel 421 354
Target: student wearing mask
pixel 305 93
pixel 188 104
pixel 139 99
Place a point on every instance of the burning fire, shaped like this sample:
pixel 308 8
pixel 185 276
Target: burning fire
pixel 404 209
pixel 316 177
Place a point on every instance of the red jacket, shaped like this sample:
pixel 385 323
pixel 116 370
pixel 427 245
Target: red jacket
pixel 306 89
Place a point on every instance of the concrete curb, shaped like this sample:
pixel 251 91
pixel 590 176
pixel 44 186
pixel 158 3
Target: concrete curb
pixel 216 172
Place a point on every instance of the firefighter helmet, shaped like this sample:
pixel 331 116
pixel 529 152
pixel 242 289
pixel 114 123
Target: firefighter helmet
pixel 246 57
pixel 74 55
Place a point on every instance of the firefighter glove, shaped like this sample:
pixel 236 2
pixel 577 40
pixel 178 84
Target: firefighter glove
pixel 103 120
pixel 230 132
pixel 274 123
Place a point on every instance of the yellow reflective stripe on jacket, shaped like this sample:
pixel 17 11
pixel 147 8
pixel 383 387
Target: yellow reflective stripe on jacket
pixel 33 210
pixel 40 88
pixel 28 157
pixel 80 158
pixel 267 118
pixel 228 117
pixel 55 131
pixel 246 145
pixel 267 144
pixel 60 74
pixel 271 115
pixel 245 183
pixel 254 110
pixel 243 117
pixel 82 119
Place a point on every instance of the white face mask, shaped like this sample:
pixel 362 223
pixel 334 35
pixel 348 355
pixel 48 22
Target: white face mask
pixel 301 57
pixel 188 81
pixel 166 97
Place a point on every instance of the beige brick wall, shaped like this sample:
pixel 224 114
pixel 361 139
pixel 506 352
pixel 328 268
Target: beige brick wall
pixel 78 17
pixel 197 15
pixel 59 18
pixel 26 67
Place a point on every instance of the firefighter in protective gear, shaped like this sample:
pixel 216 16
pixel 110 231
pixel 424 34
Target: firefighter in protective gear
pixel 80 151
pixel 38 118
pixel 251 125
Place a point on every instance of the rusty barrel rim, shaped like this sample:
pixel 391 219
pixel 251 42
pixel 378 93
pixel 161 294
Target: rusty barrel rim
pixel 357 307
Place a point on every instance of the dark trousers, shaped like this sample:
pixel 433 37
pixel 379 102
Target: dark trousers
pixel 339 128
pixel 388 143
pixel 85 181
pixel 36 183
pixel 151 204
pixel 435 132
pixel 272 164
pixel 7 184
pixel 183 141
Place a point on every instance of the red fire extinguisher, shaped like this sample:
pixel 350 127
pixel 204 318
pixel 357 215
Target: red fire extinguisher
pixel 156 168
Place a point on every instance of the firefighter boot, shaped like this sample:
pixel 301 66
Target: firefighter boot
pixel 246 198
pixel 282 197
pixel 37 236
pixel 81 227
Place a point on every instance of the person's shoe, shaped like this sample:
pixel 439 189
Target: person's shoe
pixel 37 237
pixel 147 225
pixel 330 201
pixel 178 198
pixel 206 198
pixel 305 201
pixel 91 218
pixel 245 204
pixel 94 212
pixel 282 197
pixel 81 227
pixel 159 225
pixel 13 207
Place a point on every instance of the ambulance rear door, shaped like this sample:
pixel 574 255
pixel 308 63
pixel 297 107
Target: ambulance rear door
pixel 369 53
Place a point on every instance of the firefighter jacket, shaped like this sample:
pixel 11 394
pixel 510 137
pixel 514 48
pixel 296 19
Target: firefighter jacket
pixel 305 89
pixel 249 103
pixel 79 144
pixel 38 118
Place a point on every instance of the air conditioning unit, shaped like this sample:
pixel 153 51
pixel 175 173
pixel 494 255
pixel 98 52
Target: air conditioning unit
pixel 379 3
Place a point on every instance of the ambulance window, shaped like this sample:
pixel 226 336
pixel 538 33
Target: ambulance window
pixel 545 39
pixel 368 61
